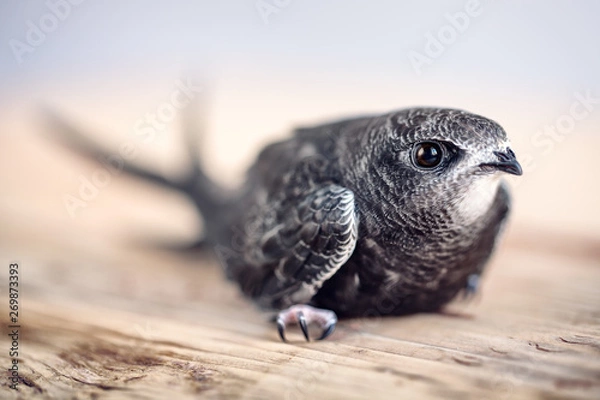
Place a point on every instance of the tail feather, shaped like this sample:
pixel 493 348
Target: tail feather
pixel 207 196
pixel 81 144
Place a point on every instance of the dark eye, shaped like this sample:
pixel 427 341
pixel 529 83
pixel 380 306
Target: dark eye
pixel 428 154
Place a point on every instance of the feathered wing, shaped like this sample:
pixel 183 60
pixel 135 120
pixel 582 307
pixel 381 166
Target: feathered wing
pixel 313 239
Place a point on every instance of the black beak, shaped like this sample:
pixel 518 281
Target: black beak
pixel 507 162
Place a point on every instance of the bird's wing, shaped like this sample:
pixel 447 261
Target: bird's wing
pixel 316 237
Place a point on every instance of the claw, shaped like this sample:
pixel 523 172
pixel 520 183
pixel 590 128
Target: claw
pixel 303 326
pixel 328 330
pixel 305 315
pixel 281 330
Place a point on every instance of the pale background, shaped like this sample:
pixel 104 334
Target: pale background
pixel 87 294
pixel 109 63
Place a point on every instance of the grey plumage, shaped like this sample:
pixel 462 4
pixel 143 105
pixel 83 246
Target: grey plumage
pixel 421 233
pixel 378 215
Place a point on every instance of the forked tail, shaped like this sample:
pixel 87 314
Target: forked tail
pixel 208 197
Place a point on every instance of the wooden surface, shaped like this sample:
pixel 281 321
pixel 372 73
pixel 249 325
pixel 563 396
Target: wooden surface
pixel 104 319
pixel 150 325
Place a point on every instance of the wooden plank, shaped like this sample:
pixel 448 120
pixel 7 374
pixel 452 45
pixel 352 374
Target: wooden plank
pixel 152 325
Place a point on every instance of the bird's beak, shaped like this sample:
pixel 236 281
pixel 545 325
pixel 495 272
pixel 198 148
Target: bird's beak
pixel 506 162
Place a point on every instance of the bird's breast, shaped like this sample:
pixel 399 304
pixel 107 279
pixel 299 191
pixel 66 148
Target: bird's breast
pixel 476 200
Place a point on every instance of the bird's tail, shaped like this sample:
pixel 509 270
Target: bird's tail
pixel 208 197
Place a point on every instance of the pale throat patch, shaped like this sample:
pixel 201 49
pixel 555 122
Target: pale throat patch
pixel 478 198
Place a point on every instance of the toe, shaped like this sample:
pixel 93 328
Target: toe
pixel 305 315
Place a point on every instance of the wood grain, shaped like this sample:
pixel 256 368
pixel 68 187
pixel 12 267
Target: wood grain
pixel 147 324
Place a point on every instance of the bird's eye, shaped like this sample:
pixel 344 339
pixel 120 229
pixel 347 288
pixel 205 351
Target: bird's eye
pixel 427 154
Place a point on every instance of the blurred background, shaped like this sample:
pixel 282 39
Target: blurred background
pixel 263 67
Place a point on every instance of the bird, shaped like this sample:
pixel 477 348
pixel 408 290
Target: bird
pixel 377 215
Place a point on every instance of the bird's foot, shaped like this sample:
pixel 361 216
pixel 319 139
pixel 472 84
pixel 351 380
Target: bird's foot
pixel 304 315
pixel 471 288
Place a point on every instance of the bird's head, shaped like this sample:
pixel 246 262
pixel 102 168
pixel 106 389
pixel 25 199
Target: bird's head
pixel 432 160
